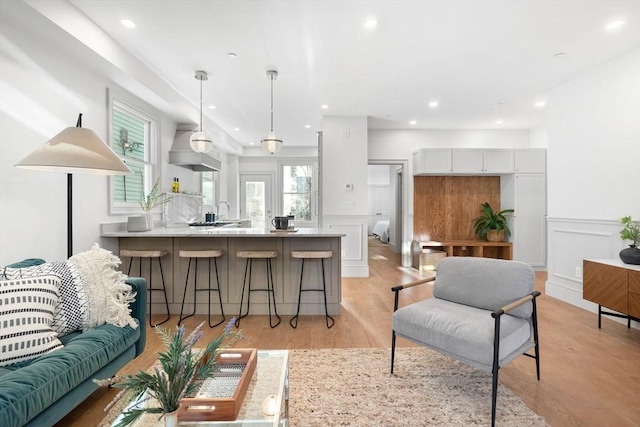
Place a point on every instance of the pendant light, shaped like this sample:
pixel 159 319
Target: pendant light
pixel 199 141
pixel 270 143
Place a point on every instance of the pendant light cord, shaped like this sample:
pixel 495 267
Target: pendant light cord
pixel 200 104
pixel 271 103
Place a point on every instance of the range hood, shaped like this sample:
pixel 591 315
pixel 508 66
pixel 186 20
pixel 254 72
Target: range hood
pixel 182 155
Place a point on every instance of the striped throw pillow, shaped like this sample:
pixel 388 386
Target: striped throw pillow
pixel 26 315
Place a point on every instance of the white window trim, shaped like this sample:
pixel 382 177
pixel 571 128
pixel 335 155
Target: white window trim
pixel 146 112
pixel 302 161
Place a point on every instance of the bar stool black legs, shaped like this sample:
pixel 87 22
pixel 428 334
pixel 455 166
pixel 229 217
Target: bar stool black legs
pixel 214 254
pixel 246 284
pixel 150 255
pixel 304 255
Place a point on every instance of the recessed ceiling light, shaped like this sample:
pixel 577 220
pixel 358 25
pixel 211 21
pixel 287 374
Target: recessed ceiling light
pixel 231 55
pixel 324 106
pixel 412 122
pixel 370 23
pixel 212 107
pixel 128 23
pixel 236 129
pixel 433 104
pixel 307 126
pixel 614 25
pixel 499 122
pixel 539 104
pixel 252 143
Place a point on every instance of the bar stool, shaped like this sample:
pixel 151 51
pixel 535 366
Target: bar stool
pixel 250 256
pixel 150 255
pixel 308 255
pixel 195 255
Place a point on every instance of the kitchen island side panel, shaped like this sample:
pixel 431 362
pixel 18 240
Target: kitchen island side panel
pixel 286 271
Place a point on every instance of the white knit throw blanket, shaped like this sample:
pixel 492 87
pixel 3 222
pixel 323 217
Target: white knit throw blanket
pixel 109 296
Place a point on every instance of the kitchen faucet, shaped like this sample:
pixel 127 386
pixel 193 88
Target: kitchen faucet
pixel 218 208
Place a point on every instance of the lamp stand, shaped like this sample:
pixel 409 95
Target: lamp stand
pixel 69 215
pixel 70 204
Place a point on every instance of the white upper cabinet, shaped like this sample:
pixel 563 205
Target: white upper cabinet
pixel 432 161
pixel 468 160
pixel 531 160
pixel 478 161
pixel 498 161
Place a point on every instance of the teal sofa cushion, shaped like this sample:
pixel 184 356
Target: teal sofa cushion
pixel 29 388
pixel 29 262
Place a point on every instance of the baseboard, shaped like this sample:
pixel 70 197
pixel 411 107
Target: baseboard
pixel 355 271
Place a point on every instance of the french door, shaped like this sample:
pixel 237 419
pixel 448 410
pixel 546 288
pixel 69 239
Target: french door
pixel 256 199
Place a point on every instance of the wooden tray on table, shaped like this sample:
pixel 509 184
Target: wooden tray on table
pixel 220 397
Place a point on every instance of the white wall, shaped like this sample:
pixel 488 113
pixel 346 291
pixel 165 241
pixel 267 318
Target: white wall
pixel 593 169
pixel 42 90
pixel 344 161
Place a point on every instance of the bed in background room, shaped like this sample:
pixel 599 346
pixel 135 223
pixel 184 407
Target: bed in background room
pixel 381 230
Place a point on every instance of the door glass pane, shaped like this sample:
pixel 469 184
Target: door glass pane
pixel 255 202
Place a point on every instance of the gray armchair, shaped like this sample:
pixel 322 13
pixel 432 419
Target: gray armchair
pixel 483 313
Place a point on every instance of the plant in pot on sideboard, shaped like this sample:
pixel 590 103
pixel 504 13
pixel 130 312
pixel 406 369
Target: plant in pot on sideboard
pixel 492 225
pixel 631 232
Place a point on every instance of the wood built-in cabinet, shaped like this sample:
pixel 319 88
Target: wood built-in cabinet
pixel 522 186
pixel 614 285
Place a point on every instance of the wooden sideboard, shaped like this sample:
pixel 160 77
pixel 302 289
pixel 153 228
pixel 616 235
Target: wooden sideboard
pixel 612 284
pixel 477 248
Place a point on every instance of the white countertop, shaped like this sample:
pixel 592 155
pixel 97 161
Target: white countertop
pixel 119 230
pixel 616 262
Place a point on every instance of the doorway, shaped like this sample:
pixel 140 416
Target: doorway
pixel 256 199
pixel 386 203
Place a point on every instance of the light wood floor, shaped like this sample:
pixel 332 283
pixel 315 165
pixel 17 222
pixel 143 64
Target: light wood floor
pixel 589 377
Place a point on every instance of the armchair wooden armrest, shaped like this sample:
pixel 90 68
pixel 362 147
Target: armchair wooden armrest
pixel 507 308
pixel 398 288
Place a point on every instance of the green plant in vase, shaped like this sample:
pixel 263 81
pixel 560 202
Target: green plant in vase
pixel 492 225
pixel 630 232
pixel 154 198
pixel 160 389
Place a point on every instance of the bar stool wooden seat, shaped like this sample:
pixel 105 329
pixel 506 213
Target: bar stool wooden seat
pixel 250 256
pixel 196 255
pixel 309 255
pixel 150 255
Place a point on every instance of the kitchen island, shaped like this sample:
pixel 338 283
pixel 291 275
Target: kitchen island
pixel 231 270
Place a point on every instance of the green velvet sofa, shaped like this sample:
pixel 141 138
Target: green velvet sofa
pixel 40 392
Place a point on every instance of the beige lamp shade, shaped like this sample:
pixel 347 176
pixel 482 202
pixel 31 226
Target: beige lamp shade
pixel 75 150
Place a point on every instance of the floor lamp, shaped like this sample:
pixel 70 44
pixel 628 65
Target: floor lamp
pixel 75 150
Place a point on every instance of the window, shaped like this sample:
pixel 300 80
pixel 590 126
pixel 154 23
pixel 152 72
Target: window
pixel 133 137
pixel 209 187
pixel 297 185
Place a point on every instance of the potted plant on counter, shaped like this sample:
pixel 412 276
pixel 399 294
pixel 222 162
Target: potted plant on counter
pixel 631 232
pixel 491 225
pixel 144 222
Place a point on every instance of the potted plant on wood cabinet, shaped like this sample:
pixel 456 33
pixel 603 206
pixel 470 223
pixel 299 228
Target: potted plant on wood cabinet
pixel 631 232
pixel 491 225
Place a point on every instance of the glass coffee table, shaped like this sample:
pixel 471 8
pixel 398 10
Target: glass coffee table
pixel 266 403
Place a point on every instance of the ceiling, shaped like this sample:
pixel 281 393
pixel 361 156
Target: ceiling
pixel 482 61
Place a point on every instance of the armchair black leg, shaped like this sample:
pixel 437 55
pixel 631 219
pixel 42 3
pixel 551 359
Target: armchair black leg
pixel 494 397
pixel 393 348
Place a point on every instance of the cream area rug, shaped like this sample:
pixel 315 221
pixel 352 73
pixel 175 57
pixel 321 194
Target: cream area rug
pixel 354 387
